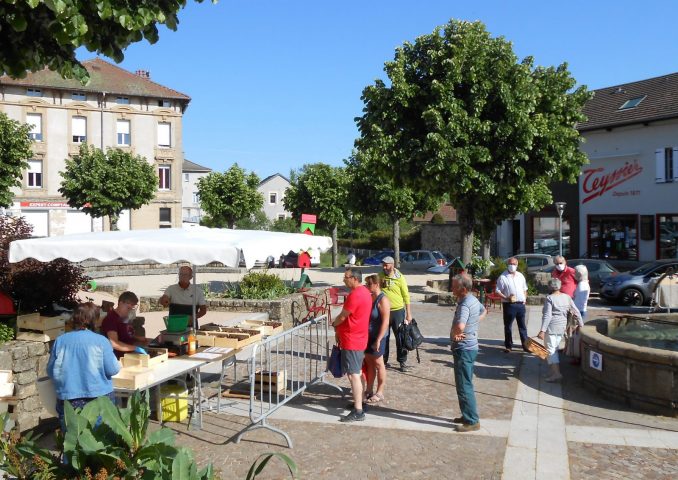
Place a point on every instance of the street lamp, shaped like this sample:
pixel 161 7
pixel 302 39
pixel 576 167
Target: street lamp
pixel 560 208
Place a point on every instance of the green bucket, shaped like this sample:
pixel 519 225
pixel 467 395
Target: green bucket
pixel 176 323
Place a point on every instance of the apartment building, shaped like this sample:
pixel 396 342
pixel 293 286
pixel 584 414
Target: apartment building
pixel 117 109
pixel 192 172
pixel 273 189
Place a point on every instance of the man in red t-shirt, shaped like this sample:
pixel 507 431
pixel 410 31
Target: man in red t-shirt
pixel 566 276
pixel 352 326
pixel 117 328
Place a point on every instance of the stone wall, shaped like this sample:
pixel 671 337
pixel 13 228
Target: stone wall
pixel 118 268
pixel 28 362
pixel 443 237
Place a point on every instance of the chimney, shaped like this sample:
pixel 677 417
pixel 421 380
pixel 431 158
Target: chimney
pixel 143 73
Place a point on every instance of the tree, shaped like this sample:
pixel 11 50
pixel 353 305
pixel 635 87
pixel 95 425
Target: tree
pixel 36 34
pixel 106 183
pixel 256 221
pixel 15 150
pixel 321 190
pixel 379 194
pixel 230 196
pixel 462 116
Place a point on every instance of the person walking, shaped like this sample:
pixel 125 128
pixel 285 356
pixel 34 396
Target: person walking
pixel 464 339
pixel 512 288
pixel 553 324
pixel 565 274
pixel 352 326
pixel 377 340
pixel 583 289
pixel 398 294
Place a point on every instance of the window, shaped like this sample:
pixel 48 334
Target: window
pixel 273 198
pixel 164 135
pixel 186 177
pixel 35 121
pixel 164 177
pixel 34 92
pixel 546 235
pixel 613 237
pixel 164 103
pixel 632 103
pixel 123 129
pixel 666 161
pixel 122 100
pixel 668 235
pixel 79 129
pixel 165 216
pixel 78 96
pixel 281 216
pixel 196 197
pixel 34 174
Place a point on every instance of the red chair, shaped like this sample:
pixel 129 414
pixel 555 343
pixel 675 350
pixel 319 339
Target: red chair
pixel 492 297
pixel 316 306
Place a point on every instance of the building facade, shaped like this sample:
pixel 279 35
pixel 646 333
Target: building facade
pixel 118 109
pixel 191 173
pixel 273 189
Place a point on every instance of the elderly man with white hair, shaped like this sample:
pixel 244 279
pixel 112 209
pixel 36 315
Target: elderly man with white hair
pixel 565 274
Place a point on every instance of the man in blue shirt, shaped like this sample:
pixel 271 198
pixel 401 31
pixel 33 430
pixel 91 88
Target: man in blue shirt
pixel 464 338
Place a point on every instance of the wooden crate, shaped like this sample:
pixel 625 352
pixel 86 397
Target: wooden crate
pixel 155 357
pixel 132 378
pixel 40 336
pixel 34 321
pixel 204 340
pixel 277 381
pixel 235 339
pixel 266 327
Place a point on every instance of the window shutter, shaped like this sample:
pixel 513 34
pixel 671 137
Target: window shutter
pixel 675 164
pixel 79 126
pixel 660 162
pixel 164 134
pixel 35 121
pixel 123 126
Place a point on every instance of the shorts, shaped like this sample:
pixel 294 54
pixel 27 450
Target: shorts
pixel 352 361
pixel 382 346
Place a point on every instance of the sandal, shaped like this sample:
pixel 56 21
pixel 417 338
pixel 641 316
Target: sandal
pixel 375 398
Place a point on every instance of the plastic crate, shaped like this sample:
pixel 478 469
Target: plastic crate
pixel 173 403
pixel 176 323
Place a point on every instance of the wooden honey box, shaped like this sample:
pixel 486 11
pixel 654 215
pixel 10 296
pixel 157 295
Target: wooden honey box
pixel 133 378
pixel 43 336
pixel 266 327
pixel 155 357
pixel 34 321
pixel 233 338
pixel 275 382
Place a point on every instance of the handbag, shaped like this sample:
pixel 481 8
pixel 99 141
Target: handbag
pixel 573 346
pixel 334 362
pixel 536 348
pixel 411 337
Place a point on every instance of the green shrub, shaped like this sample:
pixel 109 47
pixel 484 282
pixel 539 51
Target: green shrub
pixel 257 285
pixel 6 333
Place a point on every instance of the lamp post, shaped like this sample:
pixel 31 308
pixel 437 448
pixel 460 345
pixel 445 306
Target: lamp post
pixel 560 208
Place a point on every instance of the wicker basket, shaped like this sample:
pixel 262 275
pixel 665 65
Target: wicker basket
pixel 537 348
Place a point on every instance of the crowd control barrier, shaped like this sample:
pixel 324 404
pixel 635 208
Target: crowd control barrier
pixel 283 366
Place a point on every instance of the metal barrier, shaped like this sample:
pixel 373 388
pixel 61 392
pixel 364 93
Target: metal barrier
pixel 283 366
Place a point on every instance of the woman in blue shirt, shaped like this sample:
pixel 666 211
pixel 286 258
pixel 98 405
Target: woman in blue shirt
pixel 82 362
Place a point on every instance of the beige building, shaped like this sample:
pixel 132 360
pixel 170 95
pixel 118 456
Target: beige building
pixel 117 109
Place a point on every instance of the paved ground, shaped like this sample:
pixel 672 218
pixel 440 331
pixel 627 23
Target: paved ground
pixel 530 429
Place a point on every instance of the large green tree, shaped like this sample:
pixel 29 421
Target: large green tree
pixel 106 183
pixel 230 196
pixel 380 194
pixel 15 150
pixel 321 190
pixel 35 34
pixel 461 115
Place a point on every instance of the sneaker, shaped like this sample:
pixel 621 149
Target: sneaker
pixel 466 427
pixel 354 416
pixel 405 368
pixel 351 406
pixel 459 420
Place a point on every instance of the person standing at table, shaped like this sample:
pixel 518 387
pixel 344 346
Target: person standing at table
pixel 118 328
pixel 81 363
pixel 512 288
pixel 180 296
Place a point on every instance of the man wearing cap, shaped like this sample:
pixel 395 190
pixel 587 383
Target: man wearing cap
pixel 395 288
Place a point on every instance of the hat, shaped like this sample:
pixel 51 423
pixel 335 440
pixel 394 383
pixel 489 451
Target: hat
pixel 388 259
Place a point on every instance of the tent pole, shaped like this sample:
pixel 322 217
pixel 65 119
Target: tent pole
pixel 195 297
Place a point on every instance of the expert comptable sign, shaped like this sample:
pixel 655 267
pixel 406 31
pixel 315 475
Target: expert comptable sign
pixel 598 181
pixel 44 205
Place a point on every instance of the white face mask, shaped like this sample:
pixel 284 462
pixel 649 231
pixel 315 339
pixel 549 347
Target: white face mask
pixel 512 268
pixel 560 267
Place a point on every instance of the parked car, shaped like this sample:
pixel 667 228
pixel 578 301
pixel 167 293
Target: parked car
pixel 599 270
pixel 536 262
pixel 635 287
pixel 423 259
pixel 377 258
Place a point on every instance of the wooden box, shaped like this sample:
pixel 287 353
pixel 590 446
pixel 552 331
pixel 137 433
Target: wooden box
pixel 133 378
pixel 266 327
pixel 155 357
pixel 232 338
pixel 265 381
pixel 34 321
pixel 44 336
pixel 204 340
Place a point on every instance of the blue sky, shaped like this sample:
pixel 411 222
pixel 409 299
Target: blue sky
pixel 277 84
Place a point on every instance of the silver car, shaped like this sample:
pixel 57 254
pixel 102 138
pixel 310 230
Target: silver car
pixel 536 262
pixel 634 288
pixel 423 259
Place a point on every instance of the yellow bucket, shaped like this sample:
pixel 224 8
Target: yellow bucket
pixel 174 403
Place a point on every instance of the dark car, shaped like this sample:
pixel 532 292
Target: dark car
pixel 635 287
pixel 599 270
pixel 377 258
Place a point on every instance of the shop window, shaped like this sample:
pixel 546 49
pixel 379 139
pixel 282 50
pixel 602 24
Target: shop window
pixel 613 237
pixel 667 239
pixel 546 234
pixel 666 164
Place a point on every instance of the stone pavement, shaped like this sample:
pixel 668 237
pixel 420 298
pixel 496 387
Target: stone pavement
pixel 530 429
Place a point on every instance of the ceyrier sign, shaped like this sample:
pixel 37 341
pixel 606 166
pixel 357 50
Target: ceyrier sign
pixel 597 181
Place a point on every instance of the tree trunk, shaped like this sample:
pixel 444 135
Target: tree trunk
pixel 334 246
pixel 396 242
pixel 467 229
pixel 113 221
pixel 486 255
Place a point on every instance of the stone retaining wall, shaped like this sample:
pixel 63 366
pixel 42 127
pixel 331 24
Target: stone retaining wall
pixel 28 363
pixel 118 268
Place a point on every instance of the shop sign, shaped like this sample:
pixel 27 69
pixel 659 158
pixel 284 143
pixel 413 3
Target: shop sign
pixel 44 205
pixel 597 181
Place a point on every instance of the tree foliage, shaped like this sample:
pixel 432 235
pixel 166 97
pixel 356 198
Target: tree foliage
pixel 35 34
pixel 230 196
pixel 15 150
pixel 461 115
pixel 321 190
pixel 106 183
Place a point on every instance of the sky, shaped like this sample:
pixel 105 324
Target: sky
pixel 275 84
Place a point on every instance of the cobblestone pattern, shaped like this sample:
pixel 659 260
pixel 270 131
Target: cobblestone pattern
pixel 617 462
